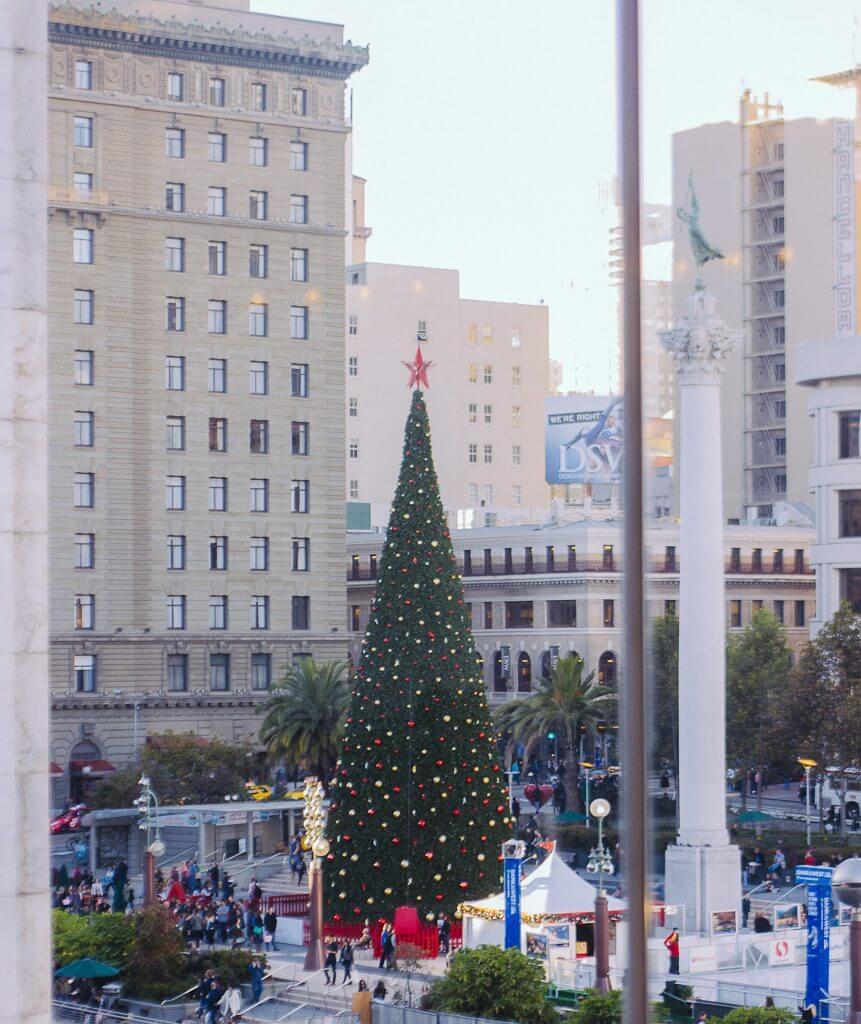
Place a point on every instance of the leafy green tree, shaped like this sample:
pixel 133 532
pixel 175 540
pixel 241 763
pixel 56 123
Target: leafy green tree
pixel 184 768
pixel 759 1015
pixel 419 809
pixel 665 672
pixel 105 937
pixel 564 703
pixel 158 957
pixel 498 984
pixel 758 664
pixel 597 1008
pixel 304 718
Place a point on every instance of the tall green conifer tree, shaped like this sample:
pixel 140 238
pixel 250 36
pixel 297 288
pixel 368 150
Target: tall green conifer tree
pixel 419 806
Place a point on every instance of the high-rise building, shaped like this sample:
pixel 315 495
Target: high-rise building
pixel 197 215
pixel 766 186
pixel 486 397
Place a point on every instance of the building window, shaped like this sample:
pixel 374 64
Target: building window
pixel 299 266
pixel 849 432
pixel 83 429
pixel 258 261
pixel 300 609
pixel 83 131
pixel 174 254
pixel 258 152
pixel 299 101
pixel 299 323
pixel 218 553
pixel 259 611
pixel 850 513
pixel 300 437
pixel 177 673
pixel 261 671
pixel 472 334
pixel 175 551
pixel 259 437
pixel 83 307
pixel 175 440
pixel 299 380
pixel 487 375
pixel 780 297
pixel 84 667
pixel 607 558
pixel 670 564
pixel 176 611
pixel 258 315
pixel 607 669
pixel 258 96
pixel 174 143
pixel 217 434
pixel 472 373
pixel 486 335
pixel 777 560
pixel 487 492
pixel 670 608
pixel 561 613
pixel 258 377
pixel 174 197
pixel 515 415
pixel 83 74
pixel 799 560
pixel 609 617
pixel 298 209
pixel 488 454
pixel 422 330
pixel 800 618
pixel 780 445
pixel 518 615
pixel 217 316
pixel 175 85
pixel 353 490
pixel 219 672
pixel 218 494
pixel 355 617
pixel 353 449
pixel 259 495
pixel 217 258
pixel 217 147
pixel 174 493
pixel 517 494
pixel 779 613
pixel 353 407
pixel 84 487
pixel 488 614
pixel 258 203
pixel 218 611
pixel 472 412
pixel 259 554
pixel 85 550
pixel 85 611
pixel 174 313
pixel 735 614
pixel 82 245
pixel 515 376
pixel 488 414
pixel 353 366
pixel 217 373
pixel 299 495
pixel 216 201
pixel 472 452
pixel 82 182
pixel 216 92
pixel 515 454
pixel 298 156
pixel 735 560
pixel 301 554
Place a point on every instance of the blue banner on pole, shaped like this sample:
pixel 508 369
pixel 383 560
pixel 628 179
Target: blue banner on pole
pixel 818 882
pixel 511 877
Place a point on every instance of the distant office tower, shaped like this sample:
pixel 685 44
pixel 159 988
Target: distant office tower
pixel 197 212
pixel 767 190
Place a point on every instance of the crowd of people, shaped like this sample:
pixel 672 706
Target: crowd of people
pixel 81 892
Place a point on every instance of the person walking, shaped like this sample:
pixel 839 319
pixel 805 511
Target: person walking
pixel 256 972
pixel 346 958
pixel 671 942
pixel 444 934
pixel 213 998
pixel 515 810
pixel 270 926
pixel 384 948
pixel 230 1003
pixel 206 983
pixel 330 965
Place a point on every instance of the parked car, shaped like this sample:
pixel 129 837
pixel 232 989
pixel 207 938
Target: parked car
pixel 69 820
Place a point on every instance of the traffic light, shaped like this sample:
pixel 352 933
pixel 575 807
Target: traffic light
pixel 551 735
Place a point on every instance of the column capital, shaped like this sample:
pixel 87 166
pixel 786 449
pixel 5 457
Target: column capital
pixel 700 343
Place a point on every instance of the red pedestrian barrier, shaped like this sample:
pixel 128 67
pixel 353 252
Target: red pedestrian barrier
pixel 291 904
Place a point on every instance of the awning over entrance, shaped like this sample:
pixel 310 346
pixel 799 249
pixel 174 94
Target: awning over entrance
pixel 95 769
pixel 55 771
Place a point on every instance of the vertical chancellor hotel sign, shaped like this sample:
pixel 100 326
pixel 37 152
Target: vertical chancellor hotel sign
pixel 844 227
pixel 583 439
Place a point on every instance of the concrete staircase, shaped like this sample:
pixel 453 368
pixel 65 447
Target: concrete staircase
pixel 281 883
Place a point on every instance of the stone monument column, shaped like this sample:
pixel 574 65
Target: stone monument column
pixel 703 870
pixel 24 905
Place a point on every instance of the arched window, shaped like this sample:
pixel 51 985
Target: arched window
pixel 81 759
pixel 498 679
pixel 607 669
pixel 546 664
pixel 524 672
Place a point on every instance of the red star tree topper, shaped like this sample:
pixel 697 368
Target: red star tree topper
pixel 418 369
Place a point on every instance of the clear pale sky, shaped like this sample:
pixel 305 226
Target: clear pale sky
pixel 485 129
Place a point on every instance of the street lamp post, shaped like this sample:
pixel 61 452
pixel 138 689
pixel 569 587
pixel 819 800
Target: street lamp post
pixel 601 862
pixel 847 883
pixel 315 829
pixel 807 764
pixel 145 803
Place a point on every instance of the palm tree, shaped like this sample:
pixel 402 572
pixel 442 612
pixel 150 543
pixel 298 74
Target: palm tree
pixel 564 703
pixel 304 718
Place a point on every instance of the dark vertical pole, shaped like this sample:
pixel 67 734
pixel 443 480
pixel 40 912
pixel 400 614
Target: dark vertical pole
pixel 855 968
pixel 602 944
pixel 315 955
pixel 148 879
pixel 633 696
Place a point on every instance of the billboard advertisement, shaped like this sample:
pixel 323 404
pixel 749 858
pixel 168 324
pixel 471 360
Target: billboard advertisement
pixel 583 439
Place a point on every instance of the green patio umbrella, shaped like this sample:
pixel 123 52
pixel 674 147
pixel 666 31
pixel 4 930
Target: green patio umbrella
pixel 753 817
pixel 87 968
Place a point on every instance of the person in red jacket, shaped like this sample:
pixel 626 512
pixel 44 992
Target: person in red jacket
pixel 672 944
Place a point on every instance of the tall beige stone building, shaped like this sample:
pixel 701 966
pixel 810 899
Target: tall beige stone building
pixel 198 211
pixel 770 198
pixel 490 376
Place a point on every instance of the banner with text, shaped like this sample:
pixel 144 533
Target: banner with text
pixel 583 439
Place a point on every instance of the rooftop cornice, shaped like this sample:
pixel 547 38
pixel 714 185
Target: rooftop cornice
pixel 193 40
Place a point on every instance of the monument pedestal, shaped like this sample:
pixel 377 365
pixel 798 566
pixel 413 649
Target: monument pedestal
pixel 702 880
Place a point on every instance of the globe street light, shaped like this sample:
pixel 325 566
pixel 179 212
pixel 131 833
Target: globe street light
pixel 146 803
pixel 315 829
pixel 847 883
pixel 807 764
pixel 601 863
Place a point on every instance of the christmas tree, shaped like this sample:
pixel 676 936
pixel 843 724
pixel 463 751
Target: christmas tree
pixel 419 810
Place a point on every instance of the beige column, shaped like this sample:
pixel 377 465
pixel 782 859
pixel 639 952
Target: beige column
pixel 24 807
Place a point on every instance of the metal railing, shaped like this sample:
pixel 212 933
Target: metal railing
pixel 253 866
